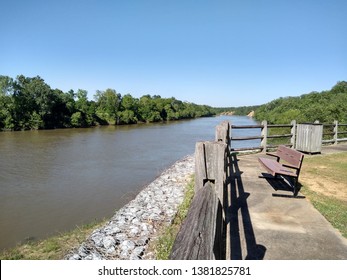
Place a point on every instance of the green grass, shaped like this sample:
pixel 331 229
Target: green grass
pixel 334 210
pixel 164 244
pixel 330 170
pixel 52 248
pixel 335 166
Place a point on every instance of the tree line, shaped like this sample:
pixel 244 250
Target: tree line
pixel 325 107
pixel 30 103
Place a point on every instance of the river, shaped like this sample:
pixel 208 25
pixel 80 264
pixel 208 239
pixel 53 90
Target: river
pixel 53 180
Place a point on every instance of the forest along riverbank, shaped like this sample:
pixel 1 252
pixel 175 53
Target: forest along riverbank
pixel 131 230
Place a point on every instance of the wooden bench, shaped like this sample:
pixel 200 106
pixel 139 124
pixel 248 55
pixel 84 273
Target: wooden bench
pixel 288 163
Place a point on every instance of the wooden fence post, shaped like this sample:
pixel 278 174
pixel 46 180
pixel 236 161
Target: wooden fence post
pixel 293 133
pixel 336 125
pixel 200 236
pixel 223 132
pixel 263 143
pixel 210 165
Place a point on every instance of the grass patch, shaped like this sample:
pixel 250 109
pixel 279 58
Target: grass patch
pixel 332 166
pixel 52 248
pixel 334 210
pixel 163 245
pixel 324 179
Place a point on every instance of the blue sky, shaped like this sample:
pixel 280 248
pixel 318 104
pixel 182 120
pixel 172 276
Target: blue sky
pixel 219 53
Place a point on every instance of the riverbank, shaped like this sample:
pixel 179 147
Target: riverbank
pixel 133 228
pixel 52 248
pixel 129 234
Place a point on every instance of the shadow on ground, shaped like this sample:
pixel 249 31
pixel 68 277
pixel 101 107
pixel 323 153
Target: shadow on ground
pixel 282 185
pixel 241 229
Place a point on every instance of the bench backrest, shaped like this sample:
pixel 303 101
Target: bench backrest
pixel 291 156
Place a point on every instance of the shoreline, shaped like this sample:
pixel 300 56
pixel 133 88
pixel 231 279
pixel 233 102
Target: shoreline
pixel 139 123
pixel 132 229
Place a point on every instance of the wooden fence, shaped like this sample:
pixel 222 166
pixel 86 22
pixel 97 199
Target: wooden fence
pixel 201 236
pixel 336 130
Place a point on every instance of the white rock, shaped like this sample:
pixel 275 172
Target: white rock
pixel 127 245
pixel 108 242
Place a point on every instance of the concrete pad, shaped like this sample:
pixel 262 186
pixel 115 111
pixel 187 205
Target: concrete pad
pixel 264 226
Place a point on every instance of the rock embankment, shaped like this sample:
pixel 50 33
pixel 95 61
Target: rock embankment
pixel 130 231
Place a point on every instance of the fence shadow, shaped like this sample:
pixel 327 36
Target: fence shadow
pixel 238 203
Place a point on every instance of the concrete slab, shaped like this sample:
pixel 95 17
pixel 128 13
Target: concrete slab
pixel 328 149
pixel 264 226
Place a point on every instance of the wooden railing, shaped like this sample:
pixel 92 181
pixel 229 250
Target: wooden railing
pixel 266 139
pixel 201 236
pixel 336 130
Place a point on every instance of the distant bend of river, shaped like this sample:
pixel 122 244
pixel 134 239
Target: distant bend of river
pixel 53 180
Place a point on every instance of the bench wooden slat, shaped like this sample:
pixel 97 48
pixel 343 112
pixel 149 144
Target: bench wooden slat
pixel 291 156
pixel 275 167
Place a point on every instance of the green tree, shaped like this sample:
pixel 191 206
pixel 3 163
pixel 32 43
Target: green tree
pixel 25 104
pixel 127 117
pixel 82 103
pixel 128 113
pixel 6 102
pixel 30 103
pixel 36 104
pixel 77 120
pixel 325 106
pixel 86 109
pixel 148 111
pixel 62 109
pixel 340 87
pixel 108 105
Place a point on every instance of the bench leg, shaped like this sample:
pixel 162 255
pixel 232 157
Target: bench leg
pixel 292 182
pixel 296 187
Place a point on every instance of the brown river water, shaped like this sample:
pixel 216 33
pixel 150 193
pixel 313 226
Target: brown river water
pixel 53 180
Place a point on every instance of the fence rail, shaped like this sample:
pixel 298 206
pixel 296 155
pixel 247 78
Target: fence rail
pixel 335 133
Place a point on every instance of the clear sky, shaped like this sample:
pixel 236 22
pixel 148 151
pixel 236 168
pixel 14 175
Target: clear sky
pixel 213 52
